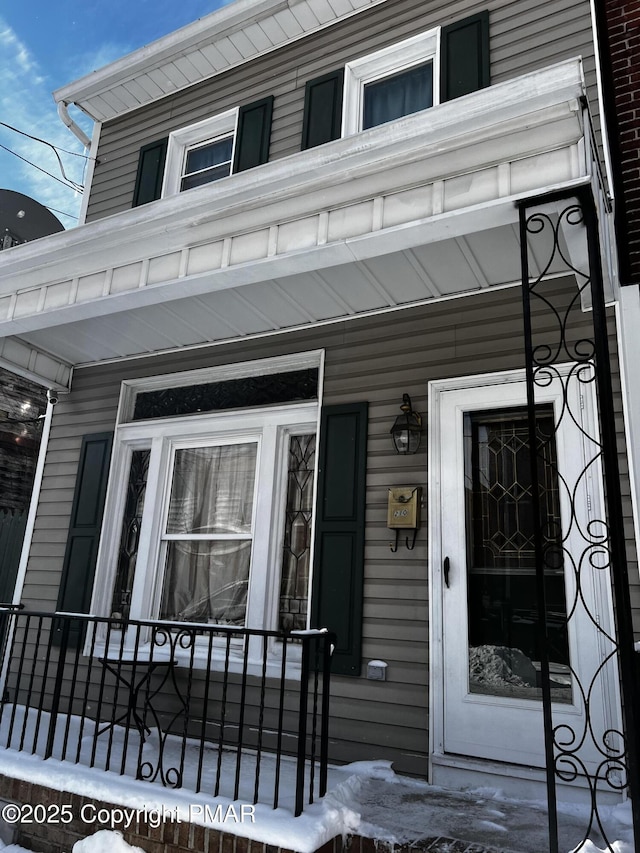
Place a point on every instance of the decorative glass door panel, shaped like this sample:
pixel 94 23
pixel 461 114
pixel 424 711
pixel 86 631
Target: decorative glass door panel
pixel 504 641
pixel 486 661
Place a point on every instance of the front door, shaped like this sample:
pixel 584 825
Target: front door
pixel 483 571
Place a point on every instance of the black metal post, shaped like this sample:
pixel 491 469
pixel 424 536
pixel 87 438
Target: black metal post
pixel 329 642
pixel 603 539
pixel 539 543
pixel 57 690
pixel 302 726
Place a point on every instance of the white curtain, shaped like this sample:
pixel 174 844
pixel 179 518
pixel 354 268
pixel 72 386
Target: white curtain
pixel 206 580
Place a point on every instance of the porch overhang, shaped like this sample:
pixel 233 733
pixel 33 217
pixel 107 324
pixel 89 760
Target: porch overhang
pixel 417 209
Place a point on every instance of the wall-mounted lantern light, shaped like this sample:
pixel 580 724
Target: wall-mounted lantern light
pixel 407 429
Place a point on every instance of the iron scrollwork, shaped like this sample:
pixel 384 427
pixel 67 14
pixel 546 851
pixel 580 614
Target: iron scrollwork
pixel 167 642
pixel 567 346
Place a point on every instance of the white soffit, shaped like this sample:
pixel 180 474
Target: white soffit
pixel 231 36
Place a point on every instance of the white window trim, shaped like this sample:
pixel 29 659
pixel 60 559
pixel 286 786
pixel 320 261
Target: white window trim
pixel 208 130
pixel 292 418
pixel 238 370
pixel 270 426
pixel 384 63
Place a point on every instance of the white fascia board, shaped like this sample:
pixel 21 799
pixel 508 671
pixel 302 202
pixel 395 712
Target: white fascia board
pixel 235 17
pixel 434 229
pixel 293 184
pixel 238 13
pixel 33 364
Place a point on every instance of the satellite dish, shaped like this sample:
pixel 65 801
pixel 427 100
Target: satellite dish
pixel 23 219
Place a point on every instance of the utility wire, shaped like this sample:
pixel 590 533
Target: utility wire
pixel 44 141
pixel 61 212
pixel 53 148
pixel 69 184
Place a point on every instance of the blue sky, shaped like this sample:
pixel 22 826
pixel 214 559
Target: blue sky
pixel 45 44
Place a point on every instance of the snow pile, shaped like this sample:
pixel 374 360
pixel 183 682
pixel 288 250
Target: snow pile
pixel 500 665
pixel 104 841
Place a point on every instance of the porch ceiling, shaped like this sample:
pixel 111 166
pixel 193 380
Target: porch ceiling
pixel 465 264
pixel 418 209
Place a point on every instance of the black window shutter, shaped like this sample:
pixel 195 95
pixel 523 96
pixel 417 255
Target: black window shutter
pixel 322 121
pixel 84 530
pixel 338 571
pixel 253 135
pixel 464 56
pixel 150 172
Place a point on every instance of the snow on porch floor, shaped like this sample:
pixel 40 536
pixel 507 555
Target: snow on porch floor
pixel 422 817
pixel 365 798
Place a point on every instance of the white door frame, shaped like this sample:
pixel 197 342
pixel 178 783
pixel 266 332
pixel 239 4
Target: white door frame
pixel 446 768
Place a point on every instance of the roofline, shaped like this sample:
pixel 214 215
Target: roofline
pixel 231 18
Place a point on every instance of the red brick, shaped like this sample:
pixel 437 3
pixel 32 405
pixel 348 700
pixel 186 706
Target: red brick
pixel 227 843
pixel 336 845
pixel 368 845
pixel 243 845
pixel 6 783
pixel 168 831
pixel 214 840
pixel 182 835
pixel 198 839
pixel 154 833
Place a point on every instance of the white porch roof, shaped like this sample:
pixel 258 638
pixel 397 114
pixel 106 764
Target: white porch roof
pixel 414 210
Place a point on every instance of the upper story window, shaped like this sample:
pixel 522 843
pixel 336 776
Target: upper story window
pixel 207 162
pixel 390 83
pixel 204 152
pixel 200 153
pixel 398 95
pixel 420 72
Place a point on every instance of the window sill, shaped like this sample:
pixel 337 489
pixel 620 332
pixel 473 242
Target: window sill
pixel 199 659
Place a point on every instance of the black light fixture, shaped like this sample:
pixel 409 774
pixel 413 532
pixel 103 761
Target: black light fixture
pixel 407 429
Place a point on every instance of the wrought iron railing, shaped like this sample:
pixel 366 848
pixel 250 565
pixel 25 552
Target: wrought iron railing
pixel 231 712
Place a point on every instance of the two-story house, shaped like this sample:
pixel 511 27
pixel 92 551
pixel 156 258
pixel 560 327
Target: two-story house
pixel 301 215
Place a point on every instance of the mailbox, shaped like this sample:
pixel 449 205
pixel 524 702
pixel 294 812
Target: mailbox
pixel 403 511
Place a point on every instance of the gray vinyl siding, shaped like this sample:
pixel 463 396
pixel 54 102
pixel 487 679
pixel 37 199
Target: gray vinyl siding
pixel 525 35
pixel 373 359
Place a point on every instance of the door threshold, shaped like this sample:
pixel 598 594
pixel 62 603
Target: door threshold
pixel 518 782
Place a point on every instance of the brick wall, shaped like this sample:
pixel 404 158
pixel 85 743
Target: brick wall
pixel 169 837
pixel 622 19
pixel 175 837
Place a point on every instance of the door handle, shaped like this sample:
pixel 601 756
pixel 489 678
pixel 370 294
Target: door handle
pixel 446 568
